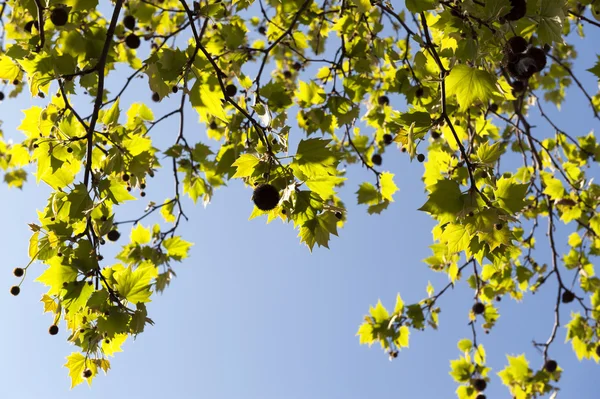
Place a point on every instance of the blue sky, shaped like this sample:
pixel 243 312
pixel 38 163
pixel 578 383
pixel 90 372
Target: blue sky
pixel 253 314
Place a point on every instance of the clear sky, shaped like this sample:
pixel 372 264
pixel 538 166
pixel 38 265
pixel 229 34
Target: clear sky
pixel 254 315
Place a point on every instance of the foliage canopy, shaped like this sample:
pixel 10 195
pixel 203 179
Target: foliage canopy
pixel 449 83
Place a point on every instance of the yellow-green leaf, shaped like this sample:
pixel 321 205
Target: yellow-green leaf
pixel 470 85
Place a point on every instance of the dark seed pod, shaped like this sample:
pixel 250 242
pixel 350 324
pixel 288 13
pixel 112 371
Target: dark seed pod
pixel 376 159
pixel 479 384
pixel 133 41
pixel 383 100
pixel 265 197
pixel 568 297
pixel 230 90
pixel 517 11
pixel 15 290
pixel 59 16
pixel 18 272
pixel 113 235
pixel 420 157
pixel 516 45
pixel 550 366
pixel 53 330
pixel 518 86
pixel 387 139
pixel 129 22
pixel 539 57
pixel 478 308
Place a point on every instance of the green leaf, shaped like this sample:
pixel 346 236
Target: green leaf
pixel 596 68
pixel 111 117
pixel 365 334
pixel 207 101
pixel 310 94
pixel 78 202
pixel 134 285
pixel 362 5
pixel 551 17
pixel 403 337
pixel 344 110
pixel 388 187
pixel 399 308
pixel 368 194
pixel 445 201
pixel 417 6
pixel 324 185
pixel 510 195
pixel 470 85
pixel 245 164
pixel 379 313
pixel 57 274
pixel 8 69
pixel 489 154
pixel 140 234
pixel 457 237
pixel 462 369
pixel 465 345
pixel 77 364
pixel 114 344
pixel 177 248
pixel 314 158
pixel 167 211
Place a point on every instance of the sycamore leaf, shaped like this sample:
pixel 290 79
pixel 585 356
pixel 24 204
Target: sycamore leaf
pixel 77 364
pixel 314 158
pixel 456 237
pixel 134 285
pixel 399 308
pixel 465 345
pixel 114 344
pixel 511 195
pixel 470 85
pixel 112 115
pixel 324 185
pixel 245 165
pixel 379 312
pixel 445 200
pixel 365 334
pixel 57 274
pixel 363 5
pixel 176 247
pixel 462 369
pixel 417 6
pixel 388 187
pixel 140 234
pixel 402 339
pixel 367 194
pixel 596 68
